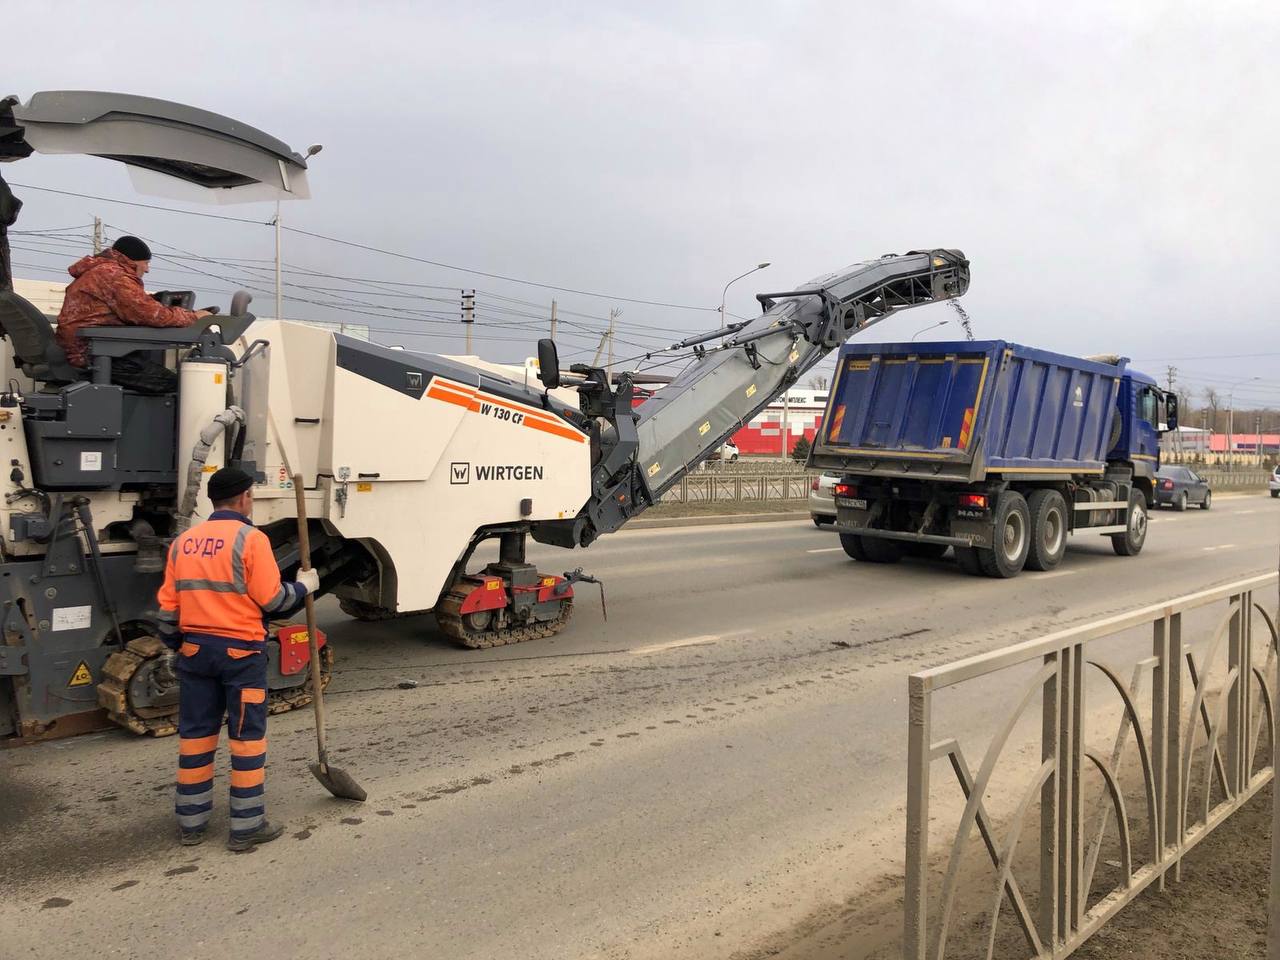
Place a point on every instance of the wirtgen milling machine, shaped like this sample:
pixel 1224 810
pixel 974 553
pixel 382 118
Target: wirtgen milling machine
pixel 409 460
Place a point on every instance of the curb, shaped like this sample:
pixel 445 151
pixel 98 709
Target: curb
pixel 717 520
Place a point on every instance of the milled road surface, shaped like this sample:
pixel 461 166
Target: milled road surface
pixel 711 768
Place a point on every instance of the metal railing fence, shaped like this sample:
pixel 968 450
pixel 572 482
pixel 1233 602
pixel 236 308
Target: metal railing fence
pixel 1193 739
pixel 715 488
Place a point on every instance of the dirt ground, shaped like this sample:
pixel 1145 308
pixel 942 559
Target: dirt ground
pixel 1217 912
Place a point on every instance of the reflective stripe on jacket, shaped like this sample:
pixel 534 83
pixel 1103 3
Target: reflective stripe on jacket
pixel 221 580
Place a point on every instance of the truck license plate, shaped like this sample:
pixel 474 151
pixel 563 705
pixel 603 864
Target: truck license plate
pixel 852 503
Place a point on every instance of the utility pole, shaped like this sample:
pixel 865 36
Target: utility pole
pixel 468 305
pixel 786 423
pixel 279 285
pixel 553 321
pixel 97 235
pixel 1171 377
pixel 613 316
pixel 604 338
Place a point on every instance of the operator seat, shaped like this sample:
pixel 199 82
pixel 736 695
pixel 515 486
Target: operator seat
pixel 31 334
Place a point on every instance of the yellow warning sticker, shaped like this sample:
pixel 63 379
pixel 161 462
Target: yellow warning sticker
pixel 654 469
pixel 82 677
pixel 217 378
pixel 493 584
pixel 795 355
pixel 751 390
pixel 363 487
pixel 702 430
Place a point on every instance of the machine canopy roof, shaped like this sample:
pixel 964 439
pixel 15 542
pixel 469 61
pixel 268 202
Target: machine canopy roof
pixel 169 148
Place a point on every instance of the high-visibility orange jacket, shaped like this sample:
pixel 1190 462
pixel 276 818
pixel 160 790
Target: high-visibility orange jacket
pixel 221 580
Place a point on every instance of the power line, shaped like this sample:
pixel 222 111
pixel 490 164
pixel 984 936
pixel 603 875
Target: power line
pixel 144 206
pixel 372 249
pixel 494 276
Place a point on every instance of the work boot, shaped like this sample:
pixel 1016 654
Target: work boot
pixel 264 834
pixel 190 838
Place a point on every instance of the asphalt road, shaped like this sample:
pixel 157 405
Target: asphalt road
pixel 708 771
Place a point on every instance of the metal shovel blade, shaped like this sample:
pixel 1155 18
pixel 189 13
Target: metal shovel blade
pixel 338 782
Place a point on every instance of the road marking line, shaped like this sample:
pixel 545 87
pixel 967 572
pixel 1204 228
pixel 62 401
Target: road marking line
pixel 674 644
pixel 826 550
pixel 1221 546
pixel 1056 573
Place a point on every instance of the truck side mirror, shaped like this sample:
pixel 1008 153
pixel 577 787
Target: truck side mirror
pixel 1171 411
pixel 548 364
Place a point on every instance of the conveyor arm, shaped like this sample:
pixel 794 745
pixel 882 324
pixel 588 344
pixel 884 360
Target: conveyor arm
pixel 726 385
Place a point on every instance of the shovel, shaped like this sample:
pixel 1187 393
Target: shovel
pixel 336 781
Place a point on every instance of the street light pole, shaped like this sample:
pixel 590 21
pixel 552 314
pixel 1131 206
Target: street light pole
pixel 725 291
pixel 311 152
pixel 932 326
pixel 1231 419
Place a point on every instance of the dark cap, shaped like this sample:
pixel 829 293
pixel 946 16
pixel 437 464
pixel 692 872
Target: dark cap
pixel 133 248
pixel 228 483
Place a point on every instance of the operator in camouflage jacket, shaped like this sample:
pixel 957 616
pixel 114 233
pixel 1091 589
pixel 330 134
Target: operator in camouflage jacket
pixel 107 291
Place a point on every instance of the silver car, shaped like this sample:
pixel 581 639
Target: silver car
pixel 822 504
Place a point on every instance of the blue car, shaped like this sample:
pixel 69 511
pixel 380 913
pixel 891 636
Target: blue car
pixel 1179 486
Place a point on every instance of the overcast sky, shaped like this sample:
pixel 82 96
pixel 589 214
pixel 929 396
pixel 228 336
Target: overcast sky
pixel 1110 170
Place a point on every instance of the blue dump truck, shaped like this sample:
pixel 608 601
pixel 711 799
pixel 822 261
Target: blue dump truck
pixel 993 449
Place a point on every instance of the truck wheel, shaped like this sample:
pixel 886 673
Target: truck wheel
pixel 1129 543
pixel 1181 503
pixel 854 546
pixel 881 551
pixel 1207 502
pixel 967 560
pixel 926 551
pixel 1048 529
pixel 1012 538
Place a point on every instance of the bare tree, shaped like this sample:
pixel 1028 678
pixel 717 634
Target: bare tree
pixel 818 383
pixel 1212 404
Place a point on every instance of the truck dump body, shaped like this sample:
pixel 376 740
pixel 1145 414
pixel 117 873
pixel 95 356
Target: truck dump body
pixel 963 410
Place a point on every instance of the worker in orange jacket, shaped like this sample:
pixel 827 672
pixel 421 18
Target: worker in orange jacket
pixel 221 584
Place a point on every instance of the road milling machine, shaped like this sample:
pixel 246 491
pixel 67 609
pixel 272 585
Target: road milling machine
pixel 410 461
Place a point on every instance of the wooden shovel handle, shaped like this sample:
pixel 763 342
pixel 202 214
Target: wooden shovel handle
pixel 304 551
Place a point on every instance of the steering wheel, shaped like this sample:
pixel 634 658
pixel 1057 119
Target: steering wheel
pixel 240 301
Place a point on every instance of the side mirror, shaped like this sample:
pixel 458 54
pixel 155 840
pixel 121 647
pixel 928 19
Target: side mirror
pixel 1171 411
pixel 548 364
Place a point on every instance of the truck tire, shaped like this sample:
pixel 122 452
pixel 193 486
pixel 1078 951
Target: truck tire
pixel 926 551
pixel 881 551
pixel 1048 529
pixel 967 560
pixel 871 549
pixel 854 546
pixel 1012 538
pixel 1181 503
pixel 1129 543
